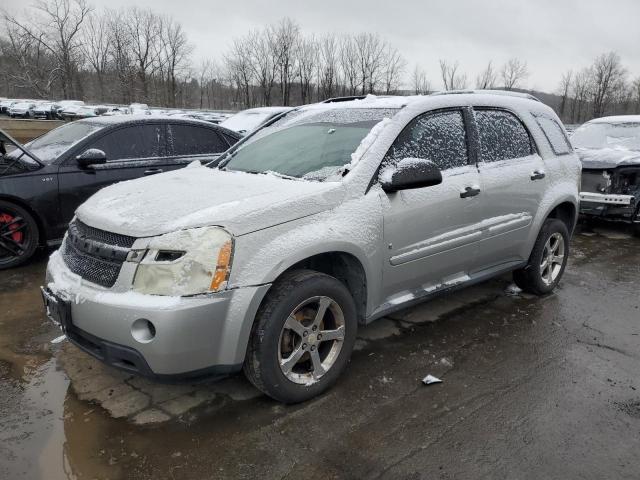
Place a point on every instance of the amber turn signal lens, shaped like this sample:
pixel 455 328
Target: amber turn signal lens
pixel 223 267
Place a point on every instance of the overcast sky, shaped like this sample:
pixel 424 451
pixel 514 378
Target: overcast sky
pixel 551 35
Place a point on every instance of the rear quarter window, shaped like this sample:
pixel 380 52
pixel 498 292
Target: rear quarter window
pixel 503 136
pixel 555 134
pixel 195 140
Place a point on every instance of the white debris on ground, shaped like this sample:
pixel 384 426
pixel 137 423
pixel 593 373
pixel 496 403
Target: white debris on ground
pixel 430 380
pixel 513 290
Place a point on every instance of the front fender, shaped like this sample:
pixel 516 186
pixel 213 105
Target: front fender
pixel 354 227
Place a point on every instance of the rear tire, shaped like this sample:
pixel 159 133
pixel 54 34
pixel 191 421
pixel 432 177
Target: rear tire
pixel 295 352
pixel 547 261
pixel 18 235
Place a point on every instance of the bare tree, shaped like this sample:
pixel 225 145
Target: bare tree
pixel 57 29
pixel 607 78
pixel 32 69
pixel 307 61
pixel 420 84
pixel 96 47
pixel 240 69
pixel 370 51
pixel 328 67
pixel 451 78
pixel 263 60
pixel 513 73
pixel 286 35
pixel 487 78
pixel 580 92
pixel 144 28
pixel 635 88
pixel 565 87
pixel 349 64
pixel 393 65
pixel 175 52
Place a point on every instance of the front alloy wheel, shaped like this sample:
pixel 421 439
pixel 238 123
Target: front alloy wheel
pixel 311 340
pixel 302 337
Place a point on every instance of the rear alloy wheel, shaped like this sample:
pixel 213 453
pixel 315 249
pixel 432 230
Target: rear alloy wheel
pixel 547 261
pixel 18 235
pixel 302 338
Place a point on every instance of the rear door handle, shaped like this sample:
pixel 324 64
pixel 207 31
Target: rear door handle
pixel 470 192
pixel 537 175
pixel 153 171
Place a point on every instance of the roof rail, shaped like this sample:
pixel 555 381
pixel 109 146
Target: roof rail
pixel 505 93
pixel 348 98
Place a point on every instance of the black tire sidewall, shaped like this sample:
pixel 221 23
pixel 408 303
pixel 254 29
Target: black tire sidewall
pixel 32 227
pixel 270 326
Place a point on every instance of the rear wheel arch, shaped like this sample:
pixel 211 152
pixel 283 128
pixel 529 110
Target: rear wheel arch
pixel 567 213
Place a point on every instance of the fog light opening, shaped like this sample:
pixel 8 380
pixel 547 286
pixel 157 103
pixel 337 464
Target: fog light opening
pixel 143 330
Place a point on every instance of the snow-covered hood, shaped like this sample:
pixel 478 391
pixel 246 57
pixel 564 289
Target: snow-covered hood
pixel 197 196
pixel 601 158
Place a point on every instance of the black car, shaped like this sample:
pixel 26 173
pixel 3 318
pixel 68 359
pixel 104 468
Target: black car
pixel 43 182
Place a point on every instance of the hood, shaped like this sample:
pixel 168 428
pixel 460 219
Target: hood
pixel 198 196
pixel 606 158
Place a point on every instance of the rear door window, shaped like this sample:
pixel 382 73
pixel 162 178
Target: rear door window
pixel 185 140
pixel 555 135
pixel 502 136
pixel 132 142
pixel 437 136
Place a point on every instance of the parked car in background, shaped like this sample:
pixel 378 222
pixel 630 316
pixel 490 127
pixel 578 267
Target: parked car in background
pixel 609 149
pixel 249 120
pixel 139 109
pixel 117 110
pixel 46 110
pixel 335 215
pixel 70 105
pixel 5 105
pixel 69 112
pixel 43 182
pixel 22 110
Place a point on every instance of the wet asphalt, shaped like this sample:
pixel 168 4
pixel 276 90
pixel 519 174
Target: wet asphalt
pixel 532 388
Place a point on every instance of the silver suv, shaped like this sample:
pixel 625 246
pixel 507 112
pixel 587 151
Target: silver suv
pixel 332 216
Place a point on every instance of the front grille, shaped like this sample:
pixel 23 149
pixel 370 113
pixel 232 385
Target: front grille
pixel 102 236
pixel 95 255
pixel 92 269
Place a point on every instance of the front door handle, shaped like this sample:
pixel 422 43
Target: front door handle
pixel 538 175
pixel 470 192
pixel 153 171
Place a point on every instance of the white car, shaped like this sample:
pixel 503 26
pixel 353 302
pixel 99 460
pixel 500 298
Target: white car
pixel 249 120
pixel 22 109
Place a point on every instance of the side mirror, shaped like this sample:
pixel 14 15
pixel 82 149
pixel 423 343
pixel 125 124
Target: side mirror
pixel 410 173
pixel 93 156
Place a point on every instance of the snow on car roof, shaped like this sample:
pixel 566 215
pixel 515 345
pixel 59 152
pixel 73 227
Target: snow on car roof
pixel 617 119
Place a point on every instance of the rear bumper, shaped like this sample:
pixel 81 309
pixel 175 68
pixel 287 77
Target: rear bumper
pixel 607 199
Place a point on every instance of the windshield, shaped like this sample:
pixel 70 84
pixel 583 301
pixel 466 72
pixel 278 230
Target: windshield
pixel 312 144
pixel 51 145
pixel 608 135
pixel 246 121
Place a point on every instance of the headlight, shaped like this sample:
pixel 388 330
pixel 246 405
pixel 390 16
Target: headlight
pixel 186 262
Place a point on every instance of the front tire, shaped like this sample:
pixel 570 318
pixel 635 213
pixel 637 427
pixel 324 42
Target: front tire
pixel 547 261
pixel 18 235
pixel 302 337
